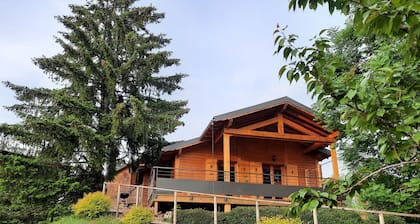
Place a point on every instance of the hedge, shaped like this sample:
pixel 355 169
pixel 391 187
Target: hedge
pixel 246 215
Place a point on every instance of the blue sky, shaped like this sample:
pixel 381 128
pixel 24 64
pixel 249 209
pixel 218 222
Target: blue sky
pixel 226 48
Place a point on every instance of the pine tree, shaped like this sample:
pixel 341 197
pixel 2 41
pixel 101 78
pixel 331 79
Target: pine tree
pixel 111 101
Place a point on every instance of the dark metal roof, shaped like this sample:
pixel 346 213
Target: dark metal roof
pixel 181 144
pixel 252 109
pixel 261 106
pixel 218 120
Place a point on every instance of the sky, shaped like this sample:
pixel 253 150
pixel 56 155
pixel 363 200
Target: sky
pixel 225 47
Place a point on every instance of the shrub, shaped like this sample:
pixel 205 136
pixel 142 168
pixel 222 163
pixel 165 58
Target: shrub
pixel 332 216
pixel 138 215
pixel 240 215
pixel 92 205
pixel 194 216
pixel 279 220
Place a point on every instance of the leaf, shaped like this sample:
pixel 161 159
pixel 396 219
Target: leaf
pixel 282 69
pixel 351 93
pixel 313 204
pixel 380 112
pixel 286 52
pixel 416 138
pixel 331 6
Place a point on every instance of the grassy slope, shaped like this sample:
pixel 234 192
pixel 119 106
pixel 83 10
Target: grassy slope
pixel 76 220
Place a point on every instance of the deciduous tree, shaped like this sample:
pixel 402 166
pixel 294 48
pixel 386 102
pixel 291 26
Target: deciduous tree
pixel 368 75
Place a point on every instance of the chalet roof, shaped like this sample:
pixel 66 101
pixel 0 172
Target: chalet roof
pixel 181 144
pixel 218 122
pixel 261 106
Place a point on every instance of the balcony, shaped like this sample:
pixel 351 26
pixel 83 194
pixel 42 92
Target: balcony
pixel 268 184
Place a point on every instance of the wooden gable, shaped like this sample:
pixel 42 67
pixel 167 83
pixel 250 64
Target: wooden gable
pixel 282 119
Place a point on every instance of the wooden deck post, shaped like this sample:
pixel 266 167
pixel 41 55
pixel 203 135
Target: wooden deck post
pixel 226 157
pixel 214 210
pixel 104 187
pixel 174 213
pixel 257 211
pixel 334 161
pixel 137 196
pixel 156 207
pixel 381 218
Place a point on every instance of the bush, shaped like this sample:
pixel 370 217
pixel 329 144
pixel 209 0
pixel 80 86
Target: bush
pixel 138 215
pixel 241 215
pixel 279 220
pixel 332 216
pixel 246 215
pixel 194 216
pixel 92 205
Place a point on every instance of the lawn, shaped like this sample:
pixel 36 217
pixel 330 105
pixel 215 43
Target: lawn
pixel 77 220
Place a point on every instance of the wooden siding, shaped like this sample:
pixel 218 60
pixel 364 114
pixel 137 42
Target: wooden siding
pixel 248 156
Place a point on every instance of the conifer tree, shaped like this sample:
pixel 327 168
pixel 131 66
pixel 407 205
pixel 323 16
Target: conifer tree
pixel 111 102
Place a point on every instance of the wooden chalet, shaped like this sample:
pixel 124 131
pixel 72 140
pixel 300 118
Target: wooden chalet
pixel 264 151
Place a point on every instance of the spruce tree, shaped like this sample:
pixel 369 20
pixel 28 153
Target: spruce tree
pixel 111 102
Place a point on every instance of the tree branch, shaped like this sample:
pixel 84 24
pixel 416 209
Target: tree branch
pixel 378 171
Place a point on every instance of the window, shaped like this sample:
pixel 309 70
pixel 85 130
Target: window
pixel 220 171
pixel 272 174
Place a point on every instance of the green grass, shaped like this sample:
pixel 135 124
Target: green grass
pixel 77 220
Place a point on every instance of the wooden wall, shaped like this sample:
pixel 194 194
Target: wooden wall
pixel 248 155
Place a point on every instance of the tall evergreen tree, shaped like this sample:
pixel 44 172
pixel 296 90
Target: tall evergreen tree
pixel 111 102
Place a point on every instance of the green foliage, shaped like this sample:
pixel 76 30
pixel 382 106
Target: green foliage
pixel 80 220
pixel 307 199
pixel 279 220
pixel 240 215
pixel 92 205
pixel 374 92
pixel 366 82
pixel 32 190
pixel 383 17
pixel 138 215
pixel 332 216
pixel 246 215
pixel 110 101
pixel 194 216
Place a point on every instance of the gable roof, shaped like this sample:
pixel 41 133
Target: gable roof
pixel 261 106
pixel 181 144
pixel 218 122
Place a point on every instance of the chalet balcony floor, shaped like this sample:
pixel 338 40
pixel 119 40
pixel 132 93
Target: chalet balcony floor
pixel 187 180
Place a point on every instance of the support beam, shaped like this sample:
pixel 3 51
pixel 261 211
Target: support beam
pixel 313 125
pixel 313 147
pixel 261 124
pixel 226 157
pixel 228 207
pixel 334 161
pixel 218 137
pixel 273 135
pixel 299 127
pixel 280 124
pixel 318 145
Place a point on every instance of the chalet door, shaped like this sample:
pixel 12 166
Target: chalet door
pixel 272 174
